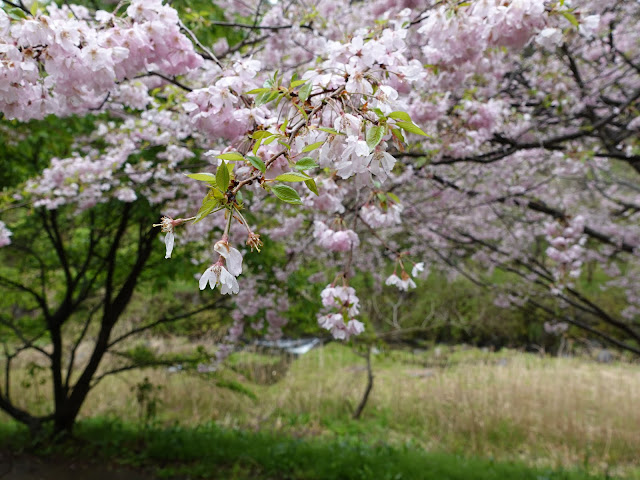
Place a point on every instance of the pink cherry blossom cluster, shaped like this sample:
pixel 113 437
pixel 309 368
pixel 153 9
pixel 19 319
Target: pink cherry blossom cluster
pixel 566 249
pixel 377 218
pixel 95 176
pixel 345 305
pixel 63 61
pixel 481 186
pixel 455 39
pixel 220 110
pixel 334 240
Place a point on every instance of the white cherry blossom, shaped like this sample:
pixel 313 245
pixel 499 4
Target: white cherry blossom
pixel 217 274
pixel 232 256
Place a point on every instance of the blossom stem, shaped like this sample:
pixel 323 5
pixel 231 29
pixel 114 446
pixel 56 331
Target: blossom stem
pixel 243 220
pixel 227 228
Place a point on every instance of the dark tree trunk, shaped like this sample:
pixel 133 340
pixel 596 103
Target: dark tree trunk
pixel 67 413
pixel 368 388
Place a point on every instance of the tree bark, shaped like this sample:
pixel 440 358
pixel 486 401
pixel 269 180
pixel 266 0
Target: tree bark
pixel 368 388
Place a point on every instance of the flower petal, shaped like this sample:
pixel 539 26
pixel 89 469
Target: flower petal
pixel 234 262
pixel 168 241
pixel 228 283
pixel 231 255
pixel 206 276
pixel 417 268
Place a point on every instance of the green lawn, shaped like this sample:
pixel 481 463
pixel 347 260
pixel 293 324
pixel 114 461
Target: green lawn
pixel 209 452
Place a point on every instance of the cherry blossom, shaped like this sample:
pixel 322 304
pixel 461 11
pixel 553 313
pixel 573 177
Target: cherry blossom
pixel 481 136
pixel 5 235
pixel 232 256
pixel 217 274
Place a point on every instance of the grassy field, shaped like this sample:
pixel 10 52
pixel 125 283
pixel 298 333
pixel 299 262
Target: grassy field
pixel 210 452
pixel 507 406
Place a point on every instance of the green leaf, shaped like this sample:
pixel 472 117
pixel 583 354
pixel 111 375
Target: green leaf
pixel 257 146
pixel 283 127
pixel 292 177
pixel 215 193
pixel 257 163
pixel 222 177
pixel 305 163
pixel 571 18
pixel 304 92
pixel 34 8
pixel 311 147
pixel 286 194
pixel 297 83
pixel 311 185
pixel 207 207
pixel 400 116
pixel 393 197
pixel 302 111
pixel 16 13
pixel 374 136
pixel 262 134
pixel 411 127
pixel 378 112
pixel 261 99
pixel 232 156
pixel 398 134
pixel 273 96
pixel 258 90
pixel 204 177
pixel 330 130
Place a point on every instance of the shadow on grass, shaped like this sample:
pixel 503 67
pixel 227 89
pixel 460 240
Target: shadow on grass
pixel 210 452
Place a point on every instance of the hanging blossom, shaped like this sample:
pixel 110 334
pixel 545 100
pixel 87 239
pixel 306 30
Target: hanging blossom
pixel 168 224
pixel 566 249
pixel 5 235
pixel 376 218
pixel 217 274
pixel 404 281
pixel 341 321
pixel 335 240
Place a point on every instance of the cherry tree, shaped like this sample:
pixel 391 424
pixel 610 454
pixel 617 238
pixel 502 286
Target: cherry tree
pixel 387 138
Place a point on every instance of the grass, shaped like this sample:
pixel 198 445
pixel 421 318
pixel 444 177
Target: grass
pixel 210 452
pixel 508 406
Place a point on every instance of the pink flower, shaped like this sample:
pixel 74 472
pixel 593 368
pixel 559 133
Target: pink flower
pixel 336 241
pixel 354 327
